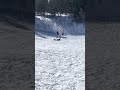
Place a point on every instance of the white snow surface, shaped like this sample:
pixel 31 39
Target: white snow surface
pixel 59 65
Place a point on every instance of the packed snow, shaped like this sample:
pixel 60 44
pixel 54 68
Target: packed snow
pixel 59 65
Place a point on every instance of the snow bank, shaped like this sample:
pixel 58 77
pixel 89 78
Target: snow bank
pixel 49 26
pixel 71 27
pixel 46 26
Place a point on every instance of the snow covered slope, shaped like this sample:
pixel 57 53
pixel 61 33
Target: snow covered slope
pixel 59 65
pixel 46 26
pixel 70 26
pixel 49 27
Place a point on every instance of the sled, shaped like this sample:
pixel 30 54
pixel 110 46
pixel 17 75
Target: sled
pixel 57 39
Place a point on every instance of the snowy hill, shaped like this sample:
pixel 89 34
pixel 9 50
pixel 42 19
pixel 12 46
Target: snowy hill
pixel 70 27
pixel 59 65
pixel 46 26
pixel 49 27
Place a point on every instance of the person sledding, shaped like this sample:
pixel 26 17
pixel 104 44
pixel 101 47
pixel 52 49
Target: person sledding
pixel 58 36
pixel 57 33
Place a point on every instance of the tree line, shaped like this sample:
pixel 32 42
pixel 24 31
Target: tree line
pixel 73 7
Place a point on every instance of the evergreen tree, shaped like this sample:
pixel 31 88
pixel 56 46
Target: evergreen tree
pixel 41 5
pixel 73 7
